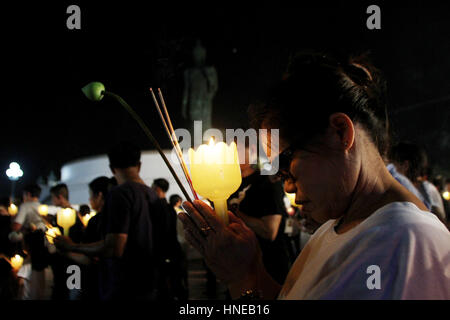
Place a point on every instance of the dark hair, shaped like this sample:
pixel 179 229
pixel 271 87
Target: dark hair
pixel 124 155
pixel 173 199
pixel 414 154
pixel 318 85
pixel 84 209
pixel 163 184
pixel 33 189
pixel 438 181
pixel 102 184
pixel 60 190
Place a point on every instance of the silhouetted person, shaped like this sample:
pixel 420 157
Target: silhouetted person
pixel 132 218
pixel 60 198
pixel 259 203
pixel 174 268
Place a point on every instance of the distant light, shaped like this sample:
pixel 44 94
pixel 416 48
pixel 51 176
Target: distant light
pixel 14 172
pixel 85 219
pixel 12 209
pixel 291 211
pixel 446 195
pixel 43 210
pixel 234 50
pixel 16 262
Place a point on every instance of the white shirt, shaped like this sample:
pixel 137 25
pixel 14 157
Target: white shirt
pixel 411 247
pixel 25 273
pixel 28 214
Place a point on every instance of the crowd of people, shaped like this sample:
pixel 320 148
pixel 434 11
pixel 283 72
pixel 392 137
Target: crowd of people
pixel 365 201
pixel 129 249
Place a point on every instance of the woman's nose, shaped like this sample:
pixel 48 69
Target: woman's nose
pixel 289 186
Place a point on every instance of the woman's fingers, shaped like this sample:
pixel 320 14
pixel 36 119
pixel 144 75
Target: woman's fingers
pixel 195 215
pixel 204 217
pixel 208 214
pixel 194 241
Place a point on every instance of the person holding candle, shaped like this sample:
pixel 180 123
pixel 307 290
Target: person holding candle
pixel 60 198
pixel 98 192
pixel 132 220
pixel 377 240
pixel 28 216
pixel 266 218
pixel 59 262
pixel 33 226
pixel 7 279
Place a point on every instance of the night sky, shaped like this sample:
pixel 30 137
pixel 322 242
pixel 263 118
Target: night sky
pixel 46 121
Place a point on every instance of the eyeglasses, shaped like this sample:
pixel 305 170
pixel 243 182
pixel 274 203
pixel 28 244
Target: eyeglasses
pixel 284 162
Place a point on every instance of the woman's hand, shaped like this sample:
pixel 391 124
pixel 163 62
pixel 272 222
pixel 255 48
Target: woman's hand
pixel 231 252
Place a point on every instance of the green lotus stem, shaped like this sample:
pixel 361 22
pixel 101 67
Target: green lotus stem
pixel 95 91
pixel 149 135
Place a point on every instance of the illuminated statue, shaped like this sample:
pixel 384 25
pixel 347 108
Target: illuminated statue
pixel 200 87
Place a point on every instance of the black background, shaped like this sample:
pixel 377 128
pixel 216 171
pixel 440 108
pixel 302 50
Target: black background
pixel 131 46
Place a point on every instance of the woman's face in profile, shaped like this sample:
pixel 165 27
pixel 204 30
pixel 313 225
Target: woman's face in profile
pixel 321 179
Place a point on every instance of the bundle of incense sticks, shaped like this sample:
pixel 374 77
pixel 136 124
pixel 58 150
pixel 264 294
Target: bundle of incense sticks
pixel 167 123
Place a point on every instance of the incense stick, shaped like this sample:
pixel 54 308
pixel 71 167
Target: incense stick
pixel 172 136
pixel 177 145
pixel 149 135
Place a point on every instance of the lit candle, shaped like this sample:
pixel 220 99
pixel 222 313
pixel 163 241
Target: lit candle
pixel 16 262
pixel 178 210
pixel 12 209
pixel 216 173
pixel 85 219
pixel 52 233
pixel 66 218
pixel 291 197
pixel 446 195
pixel 43 210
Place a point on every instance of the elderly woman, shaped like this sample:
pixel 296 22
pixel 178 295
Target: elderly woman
pixel 376 241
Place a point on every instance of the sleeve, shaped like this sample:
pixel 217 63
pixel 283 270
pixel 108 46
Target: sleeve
pixel 25 271
pixel 409 265
pixel 21 215
pixel 118 213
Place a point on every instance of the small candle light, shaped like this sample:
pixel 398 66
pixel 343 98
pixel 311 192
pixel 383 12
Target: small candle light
pixel 178 210
pixel 85 219
pixel 43 210
pixel 12 209
pixel 16 262
pixel 66 218
pixel 291 197
pixel 216 173
pixel 52 233
pixel 446 195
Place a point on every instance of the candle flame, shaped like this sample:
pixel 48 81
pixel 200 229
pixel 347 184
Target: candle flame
pixel 211 142
pixel 446 195
pixel 16 262
pixel 43 210
pixel 12 209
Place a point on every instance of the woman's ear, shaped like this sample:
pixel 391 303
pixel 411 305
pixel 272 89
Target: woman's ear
pixel 342 126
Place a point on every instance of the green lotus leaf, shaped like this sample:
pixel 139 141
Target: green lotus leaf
pixel 94 91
